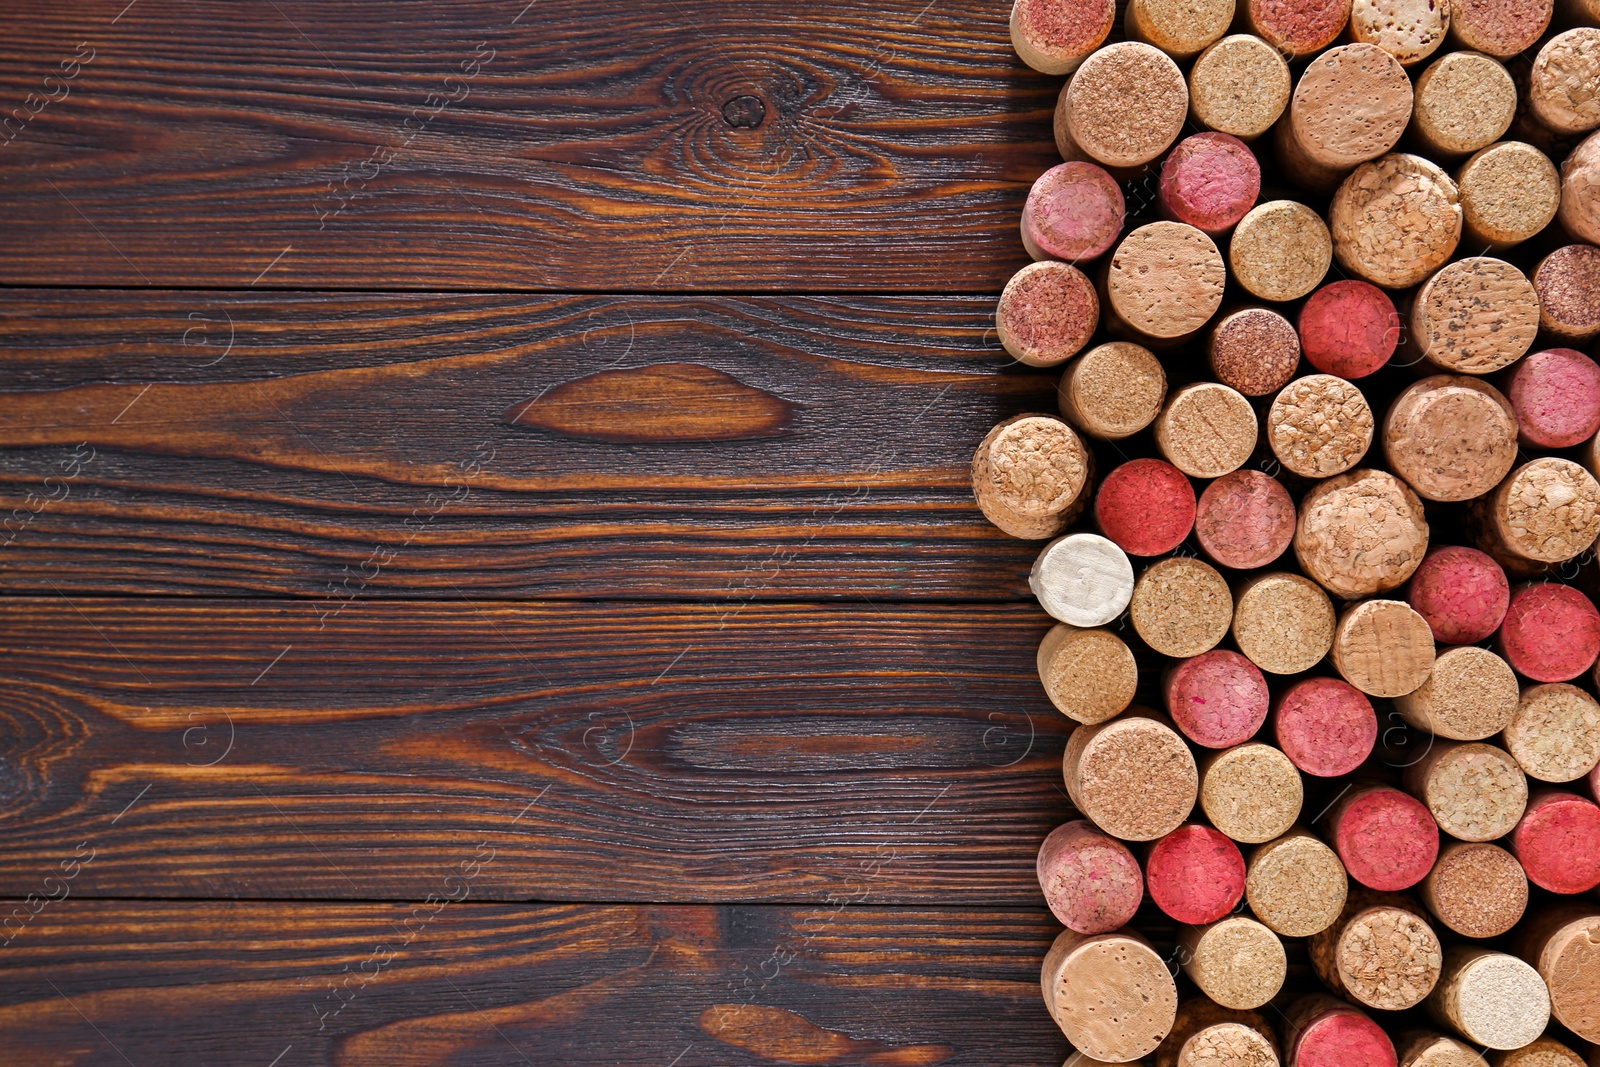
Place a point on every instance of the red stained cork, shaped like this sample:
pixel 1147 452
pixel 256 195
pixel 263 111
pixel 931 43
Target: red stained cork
pixel 1218 699
pixel 1054 36
pixel 1558 842
pixel 1556 395
pixel 1245 520
pixel 1462 593
pixel 1047 313
pixel 1298 27
pixel 1195 874
pixel 1209 181
pixel 1551 632
pixel 1090 880
pixel 1146 507
pixel 1349 329
pixel 1500 28
pixel 1387 840
pixel 1325 726
pixel 1324 1032
pixel 1074 211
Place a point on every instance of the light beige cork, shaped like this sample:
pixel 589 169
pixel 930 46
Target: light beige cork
pixel 1319 426
pixel 1555 733
pixel 1181 607
pixel 1113 390
pixel 1240 86
pixel 1409 30
pixel 1419 1048
pixel 1029 474
pixel 1564 85
pixel 1352 104
pixel 1380 953
pixel 1180 28
pixel 1476 316
pixel 1238 962
pixel 1110 994
pixel 1450 437
pixel 1295 885
pixel 1395 220
pixel 1383 648
pixel 1206 430
pixel 1471 695
pixel 1490 998
pixel 1280 251
pixel 1165 280
pixel 1283 623
pixel 1465 101
pixel 1546 511
pixel 1133 776
pixel 1089 675
pixel 1251 792
pixel 1475 791
pixel 1563 945
pixel 1544 1052
pixel 1054 38
pixel 1209 1035
pixel 1476 889
pixel 1580 191
pixel 1361 533
pixel 1509 192
pixel 1123 107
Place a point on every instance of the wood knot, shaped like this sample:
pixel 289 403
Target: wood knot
pixel 744 112
pixel 663 403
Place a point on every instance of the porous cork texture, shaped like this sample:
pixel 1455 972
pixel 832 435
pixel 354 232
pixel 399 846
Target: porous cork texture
pixel 1476 889
pixel 1462 593
pixel 1563 945
pixel 1500 28
pixel 1423 1049
pixel 1194 874
pixel 1490 998
pixel 1395 220
pixel 1240 85
pixel 1296 29
pixel 1562 86
pixel 1251 792
pixel 1475 791
pixel 1326 726
pixel 1233 1044
pixel 1470 695
pixel 1074 211
pixel 1322 1032
pixel 1558 841
pixel 1146 506
pixel 1123 107
pixel 1556 395
pixel 1110 994
pixel 1199 1016
pixel 1568 284
pixel 1546 511
pixel 1349 328
pixel 1091 882
pixel 1283 623
pixel 1089 675
pixel 1509 192
pixel 1253 350
pixel 1580 191
pixel 1165 280
pixel 1244 520
pixel 1555 733
pixel 1237 962
pixel 1465 101
pixel 1047 313
pixel 1451 437
pixel 1206 430
pixel 1028 476
pixel 1113 390
pixel 1383 648
pixel 1181 607
pixel 1209 181
pixel 1180 28
pixel 1082 579
pixel 1351 105
pixel 1133 776
pixel 1280 250
pixel 1380 953
pixel 1319 426
pixel 1217 699
pixel 1295 885
pixel 1054 37
pixel 1544 1052
pixel 1550 633
pixel 1476 316
pixel 1409 30
pixel 1361 533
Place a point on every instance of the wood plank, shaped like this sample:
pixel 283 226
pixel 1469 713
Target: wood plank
pixel 486 144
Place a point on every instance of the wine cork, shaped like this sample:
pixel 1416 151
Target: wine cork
pixel 1218 699
pixel 1490 998
pixel 1474 791
pixel 1500 28
pixel 1351 105
pixel 1555 734
pixel 1580 191
pixel 1385 839
pixel 1323 1032
pixel 1195 874
pixel 1551 633
pixel 1230 1043
pixel 1561 85
pixel 1113 390
pixel 1558 842
pixel 1240 85
pixel 1556 395
pixel 1470 694
pixel 1253 350
pixel 1123 107
pixel 1383 648
pixel 1280 250
pixel 1577 13
pixel 1091 882
pixel 1395 220
pixel 1568 284
pixel 1078 1059
pixel 1165 280
pixel 1209 181
pixel 1295 885
pixel 1180 29
pixel 1465 101
pixel 1089 675
pixel 1110 994
pixel 1475 316
pixel 1133 776
pixel 1082 579
pixel 1244 520
pixel 1451 437
pixel 1509 192
pixel 1074 211
pixel 1563 945
pixel 1349 328
pixel 1055 36
pixel 1047 313
pixel 1181 607
pixel 1361 533
pixel 1206 430
pixel 1461 592
pixel 1146 506
pixel 1381 953
pixel 1283 623
pixel 1409 30
pixel 1476 889
pixel 1319 426
pixel 1546 511
pixel 1325 727
pixel 1544 1052
pixel 1420 1048
pixel 1029 474
pixel 1251 792
pixel 1238 962
pixel 1296 28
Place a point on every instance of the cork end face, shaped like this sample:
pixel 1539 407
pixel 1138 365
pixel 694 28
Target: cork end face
pixel 1325 726
pixel 1555 734
pixel 1570 962
pixel 1296 885
pixel 1089 675
pixel 1113 391
pixel 1047 313
pixel 1238 963
pixel 1387 958
pixel 1509 193
pixel 1383 648
pixel 1500 28
pixel 1319 426
pixel 1547 511
pixel 1209 181
pixel 1558 843
pixel 1218 699
pixel 1245 520
pixel 1234 1044
pixel 1028 474
pixel 1461 592
pixel 1470 694
pixel 1344 1039
pixel 1556 395
pixel 1451 437
pixel 1055 36
pixel 1475 316
pixel 1126 104
pixel 1283 623
pixel 1195 875
pixel 1387 840
pixel 1082 579
pixel 1561 84
pixel 1115 999
pixel 1281 250
pixel 1374 554
pixel 1477 890
pixel 1476 792
pixel 1298 29
pixel 1351 105
pixel 1500 1002
pixel 1580 191
pixel 1091 882
pixel 1146 506
pixel 1074 212
pixel 1181 607
pixel 1395 221
pixel 1136 779
pixel 1254 350
pixel 1465 101
pixel 1551 632
pixel 1207 430
pixel 1166 280
pixel 1240 85
pixel 1568 284
pixel 1251 793
pixel 1349 328
pixel 1409 30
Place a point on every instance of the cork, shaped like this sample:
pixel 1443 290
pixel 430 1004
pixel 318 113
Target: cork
pixel 1218 699
pixel 1280 250
pixel 1074 211
pixel 1476 889
pixel 1450 437
pixel 1181 607
pixel 1386 840
pixel 1568 284
pixel 1578 13
pixel 1238 962
pixel 1470 695
pixel 1361 533
pixel 1113 390
pixel 1165 280
pixel 1555 734
pixel 1490 998
pixel 1206 430
pixel 1110 994
pixel 1551 633
pixel 1545 511
pixel 1244 520
pixel 1055 36
pixel 1461 592
pixel 1475 316
pixel 1078 1059
pixel 1089 675
pixel 1326 727
pixel 1544 1052
pixel 1323 1032
pixel 1580 191
pixel 1500 28
pixel 1352 104
pixel 1123 107
pixel 1561 85
pixel 1409 30
pixel 1474 791
pixel 1563 945
pixel 1558 841
pixel 1296 28
pixel 1383 648
pixel 1082 579
pixel 1207 1034
pixel 1465 101
pixel 1421 1048
pixel 1180 28
pixel 1253 350
pixel 1091 882
pixel 1380 953
pixel 1146 506
pixel 1209 181
pixel 1029 474
pixel 1395 220
pixel 1349 328
pixel 1295 885
pixel 1240 85
pixel 1509 193
pixel 1319 426
pixel 1556 395
pixel 1047 313
pixel 1133 776
pixel 1250 792
pixel 1195 874
pixel 1283 623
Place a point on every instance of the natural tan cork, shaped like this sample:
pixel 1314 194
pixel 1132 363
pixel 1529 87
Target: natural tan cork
pixel 1395 220
pixel 1471 695
pixel 1568 283
pixel 1409 30
pixel 1165 280
pixel 1509 192
pixel 1380 953
pixel 1383 648
pixel 1419 1048
pixel 1475 791
pixel 1206 430
pixel 1110 994
pixel 1237 962
pixel 1490 998
pixel 1563 945
pixel 1181 607
pixel 1555 733
pixel 1206 1034
pixel 1029 475
pixel 1352 104
pixel 1544 1052
pixel 1562 87
pixel 1240 85
pixel 1280 250
pixel 1253 350
pixel 1295 884
pixel 1319 426
pixel 1580 191
pixel 1465 101
pixel 1476 889
pixel 1113 390
pixel 1546 511
pixel 1361 533
pixel 1283 623
pixel 1250 792
pixel 1123 107
pixel 1133 776
pixel 1180 28
pixel 1089 675
pixel 1451 437
pixel 1476 316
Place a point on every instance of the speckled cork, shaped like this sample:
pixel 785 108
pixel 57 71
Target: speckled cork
pixel 1206 1034
pixel 1476 316
pixel 1558 841
pixel 1047 313
pixel 1074 211
pixel 1545 511
pixel 1297 28
pixel 1383 648
pixel 1381 953
pixel 1349 328
pixel 1280 250
pixel 1283 623
pixel 1082 579
pixel 1386 840
pixel 1091 881
pixel 1551 632
pixel 1123 107
pixel 1465 101
pixel 1165 280
pixel 1133 776
pixel 1113 390
pixel 1561 85
pixel 1029 475
pixel 1361 533
pixel 1146 506
pixel 1351 105
pixel 1195 874
pixel 1295 884
pixel 1209 181
pixel 1461 592
pixel 1475 889
pixel 1451 437
pixel 1556 395
pixel 1500 28
pixel 1490 998
pixel 1395 220
pixel 1090 675
pixel 1238 962
pixel 1054 36
pixel 1471 694
pixel 1319 426
pixel 1250 792
pixel 1244 520
pixel 1110 994
pixel 1323 1032
pixel 1326 727
pixel 1544 1052
pixel 1181 607
pixel 1180 28
pixel 1580 191
pixel 1409 30
pixel 1568 284
pixel 1424 1048
pixel 1218 699
pixel 1240 85
pixel 1473 790
pixel 1563 946
pixel 1254 350
pixel 1555 734
pixel 1509 193
pixel 1206 430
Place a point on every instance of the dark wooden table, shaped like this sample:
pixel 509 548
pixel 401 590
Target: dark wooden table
pixel 490 575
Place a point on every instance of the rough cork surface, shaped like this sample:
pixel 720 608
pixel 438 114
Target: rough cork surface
pixel 1568 284
pixel 1180 28
pixel 1500 28
pixel 1475 316
pixel 1351 105
pixel 1558 842
pixel 1133 776
pixel 1253 350
pixel 1319 426
pixel 1244 520
pixel 1206 430
pixel 1349 328
pixel 1476 889
pixel 1556 395
pixel 1563 945
pixel 1195 874
pixel 1546 511
pixel 1325 726
pixel 1146 506
pixel 1218 699
pixel 1233 1044
pixel 1425 1049
pixel 1409 30
pixel 1386 839
pixel 1297 28
pixel 1461 592
pixel 1165 280
pixel 1123 107
pixel 1028 474
pixel 1251 792
pixel 1544 1052
pixel 1383 648
pixel 1509 192
pixel 1198 1014
pixel 1451 437
pixel 1475 791
pixel 1470 695
pixel 1110 994
pixel 1395 220
pixel 1113 390
pixel 1580 191
pixel 1322 1032
pixel 1238 962
pixel 1054 37
pixel 1047 313
pixel 1555 734
pixel 1240 85
pixel 1281 250
pixel 1074 211
pixel 1380 953
pixel 1361 533
pixel 1283 623
pixel 1490 998
pixel 1089 675
pixel 1551 632
pixel 1209 181
pixel 1562 84
pixel 1091 882
pixel 1182 607
pixel 1296 884
pixel 1465 101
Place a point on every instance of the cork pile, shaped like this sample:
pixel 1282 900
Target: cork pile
pixel 1321 283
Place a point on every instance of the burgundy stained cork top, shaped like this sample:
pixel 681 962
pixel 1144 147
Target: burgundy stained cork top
pixel 1145 506
pixel 1349 328
pixel 1500 28
pixel 1298 27
pixel 1329 1033
pixel 1217 699
pixel 1325 726
pixel 1074 211
pixel 1556 395
pixel 1558 842
pixel 1245 520
pixel 1054 36
pixel 1386 839
pixel 1551 632
pixel 1195 874
pixel 1209 181
pixel 1461 592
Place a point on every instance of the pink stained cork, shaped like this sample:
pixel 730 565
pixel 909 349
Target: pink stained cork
pixel 1055 36
pixel 1218 699
pixel 1090 880
pixel 1074 211
pixel 1461 592
pixel 1551 632
pixel 1146 507
pixel 1558 842
pixel 1349 328
pixel 1556 395
pixel 1297 28
pixel 1325 726
pixel 1195 874
pixel 1500 28
pixel 1209 181
pixel 1323 1032
pixel 1245 520
pixel 1386 839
